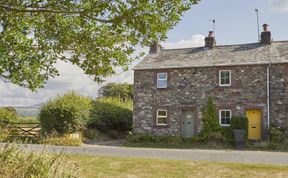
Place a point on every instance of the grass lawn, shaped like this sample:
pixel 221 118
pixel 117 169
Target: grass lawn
pixel 137 167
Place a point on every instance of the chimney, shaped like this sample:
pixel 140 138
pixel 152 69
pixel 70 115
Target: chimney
pixel 266 35
pixel 155 47
pixel 210 41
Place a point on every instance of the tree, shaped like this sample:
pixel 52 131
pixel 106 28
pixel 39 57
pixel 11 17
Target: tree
pixel 96 35
pixel 123 91
pixel 209 118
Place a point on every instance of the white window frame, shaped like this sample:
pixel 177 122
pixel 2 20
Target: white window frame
pixel 161 117
pixel 221 117
pixel 230 81
pixel 166 79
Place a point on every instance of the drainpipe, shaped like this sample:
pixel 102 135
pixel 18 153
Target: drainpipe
pixel 268 98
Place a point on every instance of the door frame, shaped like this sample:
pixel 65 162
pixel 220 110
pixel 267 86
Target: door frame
pixel 196 120
pixel 262 119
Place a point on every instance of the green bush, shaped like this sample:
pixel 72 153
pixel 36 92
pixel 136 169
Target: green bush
pixel 111 114
pixel 276 135
pixel 65 114
pixel 214 138
pixel 19 164
pixel 227 132
pixel 239 123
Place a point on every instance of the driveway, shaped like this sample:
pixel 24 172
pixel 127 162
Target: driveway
pixel 171 154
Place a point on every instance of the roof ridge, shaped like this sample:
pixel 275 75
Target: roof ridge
pixel 225 45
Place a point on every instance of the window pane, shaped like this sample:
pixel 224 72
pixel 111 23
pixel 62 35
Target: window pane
pixel 225 117
pixel 227 121
pixel 162 113
pixel 225 77
pixel 162 83
pixel 162 120
pixel 222 113
pixel 162 76
pixel 222 120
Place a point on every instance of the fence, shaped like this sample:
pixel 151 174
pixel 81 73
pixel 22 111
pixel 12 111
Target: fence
pixel 23 129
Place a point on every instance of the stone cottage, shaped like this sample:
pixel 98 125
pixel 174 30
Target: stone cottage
pixel 172 85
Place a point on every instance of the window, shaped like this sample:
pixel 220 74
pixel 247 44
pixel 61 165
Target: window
pixel 225 77
pixel 162 80
pixel 225 117
pixel 161 117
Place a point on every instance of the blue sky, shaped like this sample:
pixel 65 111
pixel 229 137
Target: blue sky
pixel 235 20
pixel 235 24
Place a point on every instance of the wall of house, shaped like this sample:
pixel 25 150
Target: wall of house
pixel 190 88
pixel 279 95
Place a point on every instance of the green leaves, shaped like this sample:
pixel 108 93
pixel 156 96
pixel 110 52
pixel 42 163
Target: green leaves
pixel 96 35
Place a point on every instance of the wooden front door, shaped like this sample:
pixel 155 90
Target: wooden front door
pixel 254 124
pixel 188 123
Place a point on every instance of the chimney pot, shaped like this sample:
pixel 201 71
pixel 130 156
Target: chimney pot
pixel 265 27
pixel 266 35
pixel 155 47
pixel 210 41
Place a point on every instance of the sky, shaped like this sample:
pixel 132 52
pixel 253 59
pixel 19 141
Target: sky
pixel 235 24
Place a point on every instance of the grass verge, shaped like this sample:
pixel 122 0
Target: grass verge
pixel 136 167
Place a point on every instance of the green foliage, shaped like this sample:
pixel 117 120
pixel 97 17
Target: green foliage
pixel 276 135
pixel 16 163
pixel 227 132
pixel 65 114
pixel 123 91
pixel 239 123
pixel 209 118
pixel 214 138
pixel 99 35
pixel 4 132
pixel 7 115
pixel 111 114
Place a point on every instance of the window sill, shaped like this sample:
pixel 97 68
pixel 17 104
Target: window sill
pixel 225 125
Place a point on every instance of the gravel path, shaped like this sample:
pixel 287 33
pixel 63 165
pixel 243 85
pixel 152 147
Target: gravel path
pixel 172 154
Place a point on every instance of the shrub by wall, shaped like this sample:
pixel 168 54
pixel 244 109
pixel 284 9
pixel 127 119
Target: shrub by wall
pixel 210 118
pixel 65 114
pixel 111 114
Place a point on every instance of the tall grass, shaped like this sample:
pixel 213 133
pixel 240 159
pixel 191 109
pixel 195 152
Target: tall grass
pixel 17 164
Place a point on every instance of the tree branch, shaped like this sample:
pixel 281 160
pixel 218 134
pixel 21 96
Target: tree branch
pixel 45 10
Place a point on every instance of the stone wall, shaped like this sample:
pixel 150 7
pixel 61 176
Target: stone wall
pixel 191 87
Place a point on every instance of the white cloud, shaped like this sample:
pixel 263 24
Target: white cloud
pixel 72 78
pixel 279 5
pixel 195 41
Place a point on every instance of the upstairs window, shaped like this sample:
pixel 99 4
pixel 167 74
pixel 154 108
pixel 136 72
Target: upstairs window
pixel 162 80
pixel 225 77
pixel 161 117
pixel 225 117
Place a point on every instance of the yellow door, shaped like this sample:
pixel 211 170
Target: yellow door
pixel 254 124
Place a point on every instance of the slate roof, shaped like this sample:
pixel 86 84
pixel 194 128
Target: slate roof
pixel 226 55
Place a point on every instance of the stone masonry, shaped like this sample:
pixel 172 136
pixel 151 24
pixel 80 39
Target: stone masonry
pixel 191 87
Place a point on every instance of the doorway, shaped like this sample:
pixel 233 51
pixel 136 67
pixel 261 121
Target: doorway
pixel 188 123
pixel 254 123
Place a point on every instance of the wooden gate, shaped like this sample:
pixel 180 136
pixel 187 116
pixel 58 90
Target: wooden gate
pixel 24 129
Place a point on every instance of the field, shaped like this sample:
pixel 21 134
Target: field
pixel 132 167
